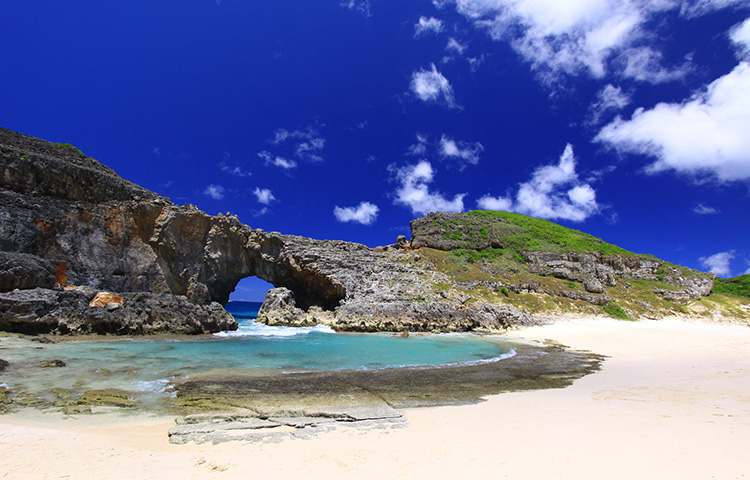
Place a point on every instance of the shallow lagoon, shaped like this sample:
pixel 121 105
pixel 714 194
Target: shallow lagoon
pixel 149 366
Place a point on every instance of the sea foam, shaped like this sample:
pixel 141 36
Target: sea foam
pixel 255 329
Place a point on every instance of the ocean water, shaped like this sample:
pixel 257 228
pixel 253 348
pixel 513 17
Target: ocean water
pixel 149 365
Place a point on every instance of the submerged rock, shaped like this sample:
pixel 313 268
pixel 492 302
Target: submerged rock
pixel 110 397
pixel 51 364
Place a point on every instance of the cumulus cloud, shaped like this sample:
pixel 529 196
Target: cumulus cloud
pixel 702 209
pixel 264 195
pixel 707 136
pixel 740 35
pixel 553 192
pixel 558 36
pixel 364 213
pixel 432 86
pixel 593 37
pixel 414 191
pixel 489 202
pixel 428 25
pixel 718 263
pixel 466 151
pixel 214 191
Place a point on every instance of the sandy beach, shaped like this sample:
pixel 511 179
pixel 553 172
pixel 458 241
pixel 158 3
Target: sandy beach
pixel 671 401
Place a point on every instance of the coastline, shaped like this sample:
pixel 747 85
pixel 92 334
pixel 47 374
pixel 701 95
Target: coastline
pixel 671 400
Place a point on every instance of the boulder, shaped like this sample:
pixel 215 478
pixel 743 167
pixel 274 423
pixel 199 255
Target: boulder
pixel 105 299
pixel 593 285
pixel 280 308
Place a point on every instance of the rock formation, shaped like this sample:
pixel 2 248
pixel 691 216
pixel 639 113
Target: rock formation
pixel 71 228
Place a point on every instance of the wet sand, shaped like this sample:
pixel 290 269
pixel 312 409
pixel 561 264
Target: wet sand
pixel 671 401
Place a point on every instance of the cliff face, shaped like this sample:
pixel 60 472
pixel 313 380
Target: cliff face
pixel 71 228
pixel 69 222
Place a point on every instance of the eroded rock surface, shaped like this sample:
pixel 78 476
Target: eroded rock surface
pixel 68 221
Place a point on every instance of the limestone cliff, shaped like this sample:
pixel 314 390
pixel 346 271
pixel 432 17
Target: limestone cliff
pixel 70 228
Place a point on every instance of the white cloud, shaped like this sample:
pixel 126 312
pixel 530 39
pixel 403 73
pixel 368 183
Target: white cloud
pixel 740 35
pixel 489 202
pixel 718 263
pixel 428 25
pixel 305 144
pixel 277 161
pixel 694 8
pixel 558 36
pixel 468 152
pixel 702 209
pixel 264 195
pixel 418 149
pixel 554 192
pixel 609 99
pixel 414 191
pixel 364 213
pixel 214 191
pixel 235 170
pixel 645 65
pixel 361 6
pixel 593 37
pixel 432 86
pixel 706 136
pixel 455 46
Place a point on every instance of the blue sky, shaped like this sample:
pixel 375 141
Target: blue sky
pixel 345 119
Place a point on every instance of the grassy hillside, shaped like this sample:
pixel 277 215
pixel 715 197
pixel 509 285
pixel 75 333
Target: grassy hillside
pixel 536 234
pixel 737 286
pixel 485 254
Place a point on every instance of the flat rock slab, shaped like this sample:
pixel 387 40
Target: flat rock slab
pixel 221 428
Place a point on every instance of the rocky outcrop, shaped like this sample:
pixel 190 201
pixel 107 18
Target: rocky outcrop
pixel 450 231
pixel 595 270
pixel 68 221
pixel 65 312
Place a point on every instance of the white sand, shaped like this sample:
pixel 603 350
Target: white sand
pixel 673 401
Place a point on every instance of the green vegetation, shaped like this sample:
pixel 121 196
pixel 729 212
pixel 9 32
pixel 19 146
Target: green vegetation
pixel 473 256
pixel 456 235
pixel 739 286
pixel 522 233
pixel 615 311
pixel 25 157
pixel 488 246
pixel 70 147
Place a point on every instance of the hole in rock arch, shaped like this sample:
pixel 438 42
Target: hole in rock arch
pixel 250 289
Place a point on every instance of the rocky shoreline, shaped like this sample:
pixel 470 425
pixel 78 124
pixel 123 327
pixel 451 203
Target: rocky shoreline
pixel 71 229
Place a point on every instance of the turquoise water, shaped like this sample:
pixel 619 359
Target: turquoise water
pixel 149 365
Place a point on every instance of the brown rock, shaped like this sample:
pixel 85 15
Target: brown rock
pixel 61 274
pixel 103 299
